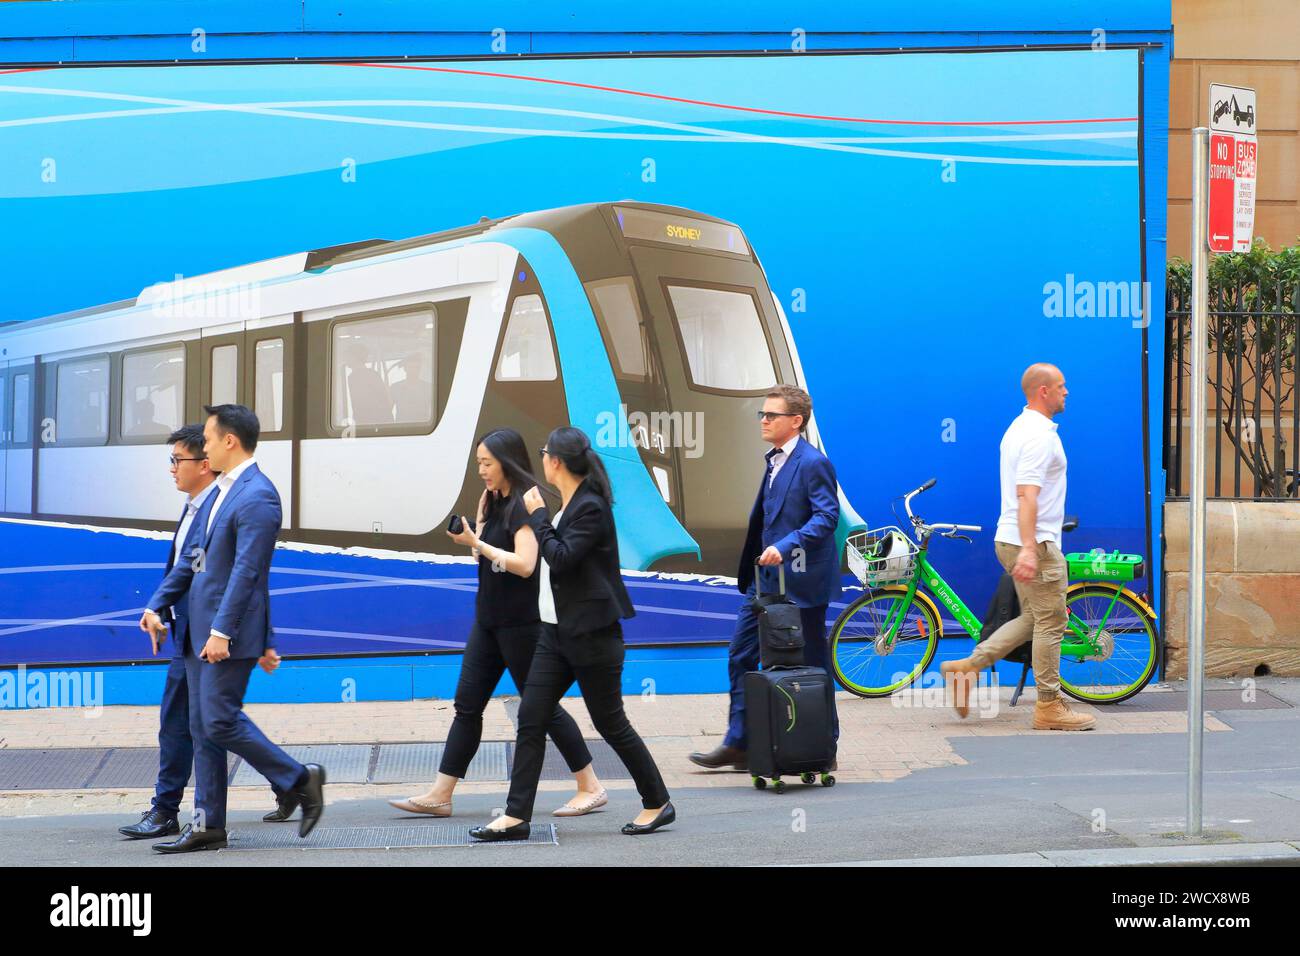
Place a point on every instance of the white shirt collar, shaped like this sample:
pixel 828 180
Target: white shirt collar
pixel 1042 419
pixel 228 478
pixel 196 501
pixel 789 446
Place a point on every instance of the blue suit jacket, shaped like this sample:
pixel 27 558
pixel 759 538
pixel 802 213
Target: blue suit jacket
pixel 800 513
pixel 178 615
pixel 230 592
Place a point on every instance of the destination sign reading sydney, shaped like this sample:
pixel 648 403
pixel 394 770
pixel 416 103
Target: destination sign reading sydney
pixel 1234 156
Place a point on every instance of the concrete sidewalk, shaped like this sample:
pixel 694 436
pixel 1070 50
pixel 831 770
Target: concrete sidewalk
pixel 917 786
pixel 1200 854
pixel 881 740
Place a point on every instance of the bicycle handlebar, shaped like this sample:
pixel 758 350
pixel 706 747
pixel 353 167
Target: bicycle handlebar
pixel 943 528
pixel 907 498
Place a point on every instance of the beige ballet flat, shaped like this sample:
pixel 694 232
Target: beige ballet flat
pixel 594 801
pixel 416 805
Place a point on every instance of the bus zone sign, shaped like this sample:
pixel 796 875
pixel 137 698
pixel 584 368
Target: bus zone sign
pixel 1234 153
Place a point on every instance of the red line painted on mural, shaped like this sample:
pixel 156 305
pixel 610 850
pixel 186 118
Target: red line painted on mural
pixel 746 109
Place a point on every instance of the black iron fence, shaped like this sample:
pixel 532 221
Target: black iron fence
pixel 1253 429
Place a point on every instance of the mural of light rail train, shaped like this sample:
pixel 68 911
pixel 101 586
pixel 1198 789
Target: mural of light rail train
pixel 373 366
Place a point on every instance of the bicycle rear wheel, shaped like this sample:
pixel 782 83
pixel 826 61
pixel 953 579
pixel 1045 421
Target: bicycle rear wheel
pixel 1127 646
pixel 861 660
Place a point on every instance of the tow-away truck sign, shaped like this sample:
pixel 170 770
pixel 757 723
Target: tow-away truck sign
pixel 1234 153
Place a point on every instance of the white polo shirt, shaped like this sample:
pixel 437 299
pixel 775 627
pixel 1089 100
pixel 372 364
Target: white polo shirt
pixel 1032 454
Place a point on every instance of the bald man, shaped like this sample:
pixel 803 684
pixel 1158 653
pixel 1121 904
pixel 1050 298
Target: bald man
pixel 1028 543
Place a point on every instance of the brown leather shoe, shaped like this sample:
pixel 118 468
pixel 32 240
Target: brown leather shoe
pixel 1054 715
pixel 958 676
pixel 720 756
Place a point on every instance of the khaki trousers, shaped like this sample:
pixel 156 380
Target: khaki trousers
pixel 1042 617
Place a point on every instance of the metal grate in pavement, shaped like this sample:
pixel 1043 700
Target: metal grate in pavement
pixel 1226 698
pixel 414 763
pixel 377 838
pixel 343 763
pixel 55 769
pixel 137 767
pixel 127 767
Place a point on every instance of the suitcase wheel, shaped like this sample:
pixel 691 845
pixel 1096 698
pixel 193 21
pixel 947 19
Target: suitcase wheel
pixel 808 778
pixel 778 785
pixel 828 780
pixel 759 783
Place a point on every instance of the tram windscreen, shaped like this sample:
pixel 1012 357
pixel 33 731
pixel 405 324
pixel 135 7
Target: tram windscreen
pixel 723 337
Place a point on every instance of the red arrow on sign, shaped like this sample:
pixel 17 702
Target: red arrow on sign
pixel 1223 176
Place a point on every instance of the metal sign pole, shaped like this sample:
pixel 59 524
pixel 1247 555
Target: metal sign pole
pixel 1196 538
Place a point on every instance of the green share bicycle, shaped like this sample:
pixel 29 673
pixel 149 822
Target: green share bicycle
pixel 884 640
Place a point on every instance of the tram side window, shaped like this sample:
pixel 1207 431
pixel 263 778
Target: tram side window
pixel 153 392
pixel 723 337
pixel 81 401
pixel 616 307
pixel 383 371
pixel 268 400
pixel 527 354
pixel 22 409
pixel 225 374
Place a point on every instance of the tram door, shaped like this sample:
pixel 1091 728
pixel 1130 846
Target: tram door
pixel 6 428
pixel 254 367
pixel 221 368
pixel 19 391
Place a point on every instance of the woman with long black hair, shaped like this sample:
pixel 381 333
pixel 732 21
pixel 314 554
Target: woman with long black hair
pixel 582 637
pixel 507 628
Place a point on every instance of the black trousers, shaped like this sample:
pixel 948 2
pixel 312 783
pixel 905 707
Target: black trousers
pixel 489 653
pixel 595 661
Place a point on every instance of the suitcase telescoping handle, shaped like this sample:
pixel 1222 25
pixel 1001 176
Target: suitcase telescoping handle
pixel 758 587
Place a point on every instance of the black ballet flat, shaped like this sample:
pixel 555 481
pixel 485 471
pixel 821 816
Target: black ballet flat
pixel 666 816
pixel 516 831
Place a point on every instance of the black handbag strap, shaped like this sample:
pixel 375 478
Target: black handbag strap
pixel 758 587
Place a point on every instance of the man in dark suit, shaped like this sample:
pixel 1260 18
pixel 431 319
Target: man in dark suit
pixel 792 524
pixel 194 477
pixel 227 582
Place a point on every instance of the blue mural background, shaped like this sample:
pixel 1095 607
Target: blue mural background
pixel 924 290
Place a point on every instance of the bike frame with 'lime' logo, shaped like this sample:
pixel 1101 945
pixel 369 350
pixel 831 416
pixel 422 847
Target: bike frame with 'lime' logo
pixel 885 640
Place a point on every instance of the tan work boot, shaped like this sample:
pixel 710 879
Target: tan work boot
pixel 1054 715
pixel 958 676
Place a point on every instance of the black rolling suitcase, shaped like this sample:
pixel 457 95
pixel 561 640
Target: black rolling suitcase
pixel 780 627
pixel 788 722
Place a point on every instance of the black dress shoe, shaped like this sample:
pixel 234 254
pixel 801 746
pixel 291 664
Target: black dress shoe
pixel 285 804
pixel 720 756
pixel 311 797
pixel 666 816
pixel 192 839
pixel 153 824
pixel 516 831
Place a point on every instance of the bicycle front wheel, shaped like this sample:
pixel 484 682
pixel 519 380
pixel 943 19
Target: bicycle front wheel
pixel 1122 636
pixel 865 660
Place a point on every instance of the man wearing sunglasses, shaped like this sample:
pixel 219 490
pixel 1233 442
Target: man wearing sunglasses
pixel 793 524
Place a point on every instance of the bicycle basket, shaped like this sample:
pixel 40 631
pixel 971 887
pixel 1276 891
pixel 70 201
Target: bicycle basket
pixel 881 556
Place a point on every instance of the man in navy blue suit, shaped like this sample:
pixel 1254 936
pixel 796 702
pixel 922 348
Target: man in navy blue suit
pixel 195 478
pixel 792 524
pixel 227 582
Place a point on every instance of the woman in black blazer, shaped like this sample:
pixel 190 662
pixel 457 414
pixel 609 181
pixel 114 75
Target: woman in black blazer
pixel 581 640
